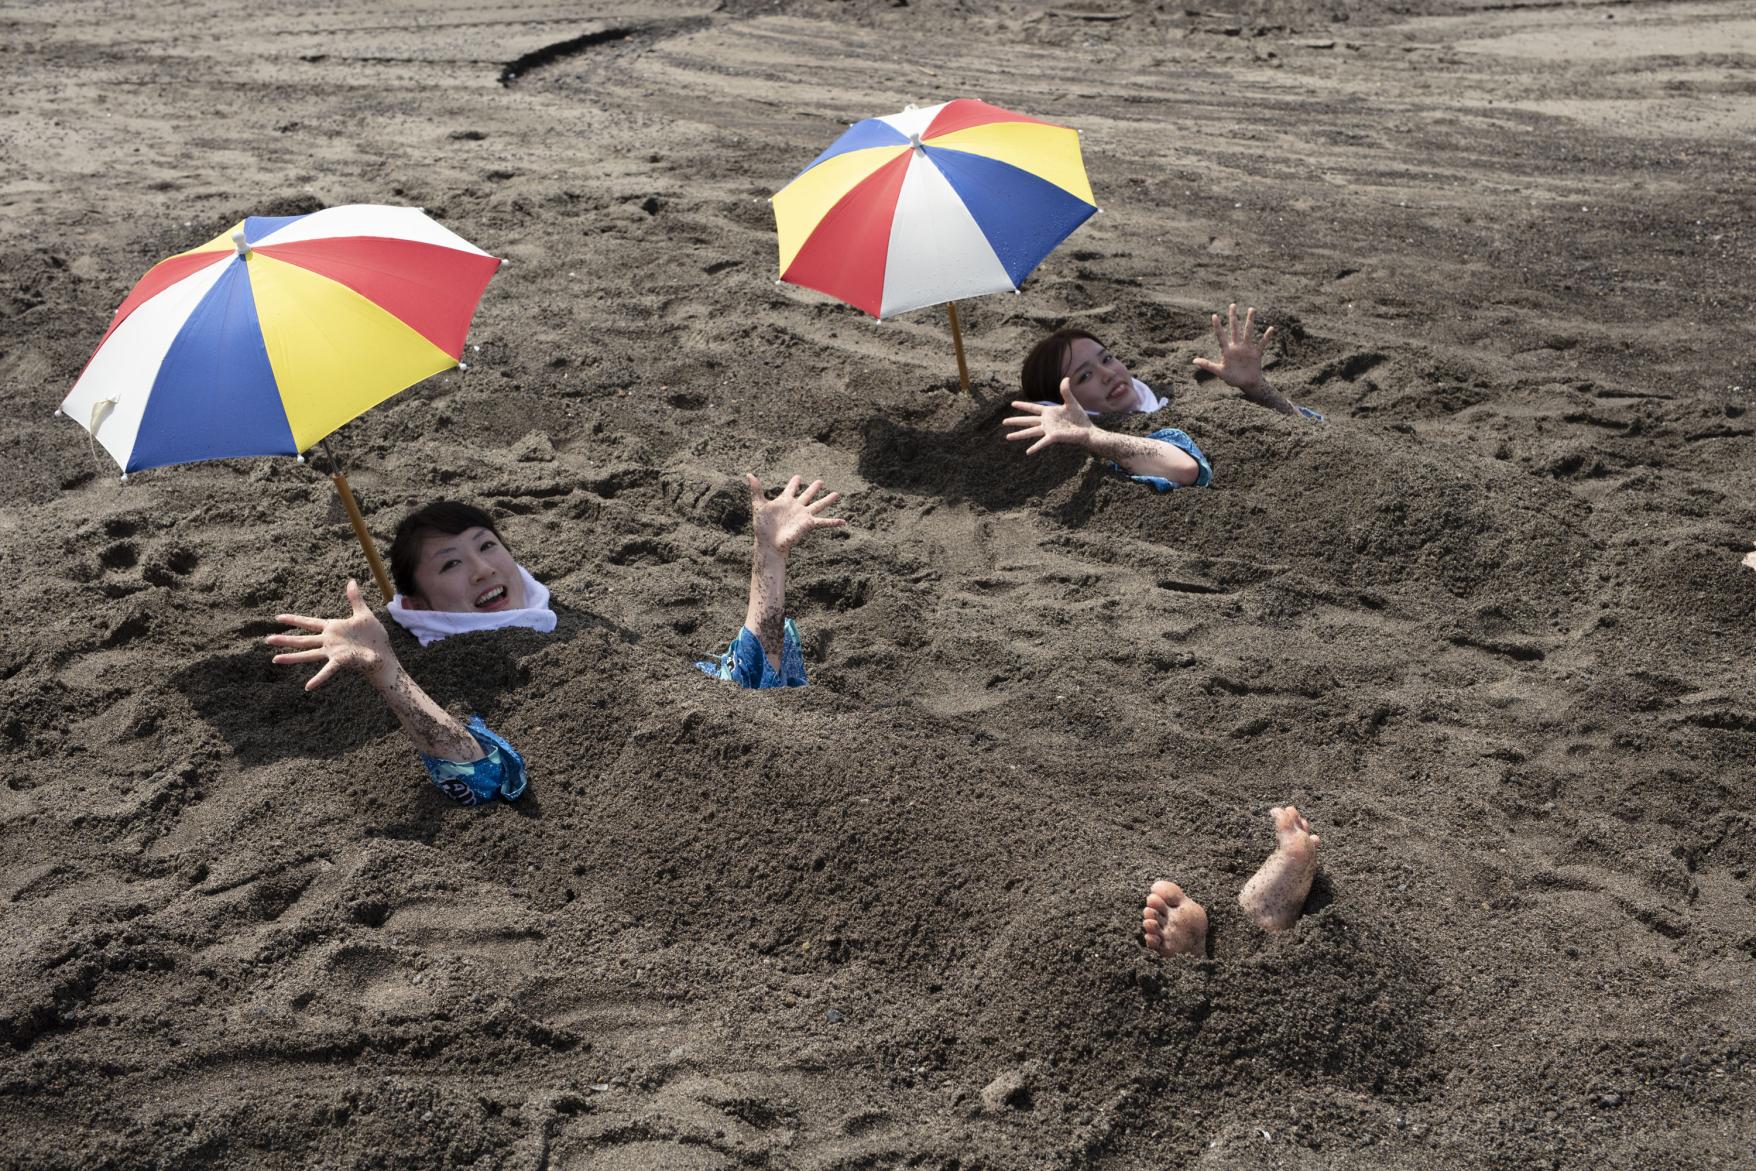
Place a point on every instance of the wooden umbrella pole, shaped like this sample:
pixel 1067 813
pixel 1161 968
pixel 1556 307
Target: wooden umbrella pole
pixel 957 343
pixel 347 501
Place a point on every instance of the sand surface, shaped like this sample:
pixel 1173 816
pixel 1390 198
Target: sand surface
pixel 1487 628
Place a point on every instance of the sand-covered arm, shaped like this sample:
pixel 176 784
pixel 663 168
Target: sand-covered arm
pixel 1143 456
pixel 358 643
pixel 779 524
pixel 1049 424
pixel 1240 361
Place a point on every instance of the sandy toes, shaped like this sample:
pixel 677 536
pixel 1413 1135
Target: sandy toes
pixel 1275 894
pixel 1172 922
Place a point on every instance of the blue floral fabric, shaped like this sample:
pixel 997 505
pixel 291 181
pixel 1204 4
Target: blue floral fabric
pixel 746 664
pixel 1178 439
pixel 500 773
pixel 1310 414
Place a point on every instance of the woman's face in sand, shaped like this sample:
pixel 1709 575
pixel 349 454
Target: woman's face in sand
pixel 1100 382
pixel 467 573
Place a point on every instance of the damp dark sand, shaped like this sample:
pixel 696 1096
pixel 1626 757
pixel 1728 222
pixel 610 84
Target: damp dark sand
pixel 1487 628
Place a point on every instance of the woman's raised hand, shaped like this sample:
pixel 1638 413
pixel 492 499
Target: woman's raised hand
pixel 782 522
pixel 1051 424
pixel 357 642
pixel 1240 357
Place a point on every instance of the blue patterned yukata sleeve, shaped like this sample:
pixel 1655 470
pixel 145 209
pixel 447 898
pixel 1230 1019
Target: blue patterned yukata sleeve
pixel 746 664
pixel 500 772
pixel 1177 439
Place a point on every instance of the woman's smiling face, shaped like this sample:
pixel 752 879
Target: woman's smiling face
pixel 467 573
pixel 1099 380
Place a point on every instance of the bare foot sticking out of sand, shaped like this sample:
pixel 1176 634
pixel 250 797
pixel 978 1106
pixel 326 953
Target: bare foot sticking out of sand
pixel 1173 923
pixel 1275 894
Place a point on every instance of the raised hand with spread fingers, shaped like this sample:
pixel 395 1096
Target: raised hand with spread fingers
pixel 1240 360
pixel 1067 422
pixel 359 643
pixel 766 653
pixel 1046 424
pixel 780 524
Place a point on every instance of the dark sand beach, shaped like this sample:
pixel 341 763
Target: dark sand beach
pixel 1487 627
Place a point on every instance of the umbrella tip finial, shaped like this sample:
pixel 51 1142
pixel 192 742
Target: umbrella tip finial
pixel 243 244
pixel 124 477
pixel 58 412
pixel 299 457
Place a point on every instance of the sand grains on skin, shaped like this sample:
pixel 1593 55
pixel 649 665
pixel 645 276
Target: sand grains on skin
pixel 807 931
pixel 1172 923
pixel 1275 895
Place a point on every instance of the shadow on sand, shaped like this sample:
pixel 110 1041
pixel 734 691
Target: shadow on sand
pixel 973 462
pixel 263 713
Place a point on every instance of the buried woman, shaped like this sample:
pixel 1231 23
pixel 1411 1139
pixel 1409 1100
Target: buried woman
pixel 1172 923
pixel 454 574
pixel 1076 368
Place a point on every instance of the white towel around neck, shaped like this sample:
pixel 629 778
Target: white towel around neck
pixel 1146 400
pixel 432 625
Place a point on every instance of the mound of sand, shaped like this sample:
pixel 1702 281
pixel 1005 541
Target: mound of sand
pixel 1487 626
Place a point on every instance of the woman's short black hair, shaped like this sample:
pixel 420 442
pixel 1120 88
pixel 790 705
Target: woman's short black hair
pixel 1040 377
pixel 442 516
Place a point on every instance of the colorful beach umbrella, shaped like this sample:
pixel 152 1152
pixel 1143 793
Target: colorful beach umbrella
pixel 268 337
pixel 931 205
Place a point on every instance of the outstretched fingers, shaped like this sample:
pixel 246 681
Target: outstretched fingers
pixel 296 641
pixel 1031 431
pixel 323 674
pixel 814 487
pixel 818 506
pixel 301 621
pixel 1027 408
pixel 1232 321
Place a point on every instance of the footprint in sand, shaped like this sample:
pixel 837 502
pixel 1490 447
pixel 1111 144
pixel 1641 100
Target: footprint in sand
pixel 748 1118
